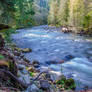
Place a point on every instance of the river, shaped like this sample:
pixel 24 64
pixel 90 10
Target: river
pixel 50 44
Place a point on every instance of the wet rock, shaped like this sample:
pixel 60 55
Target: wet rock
pixel 27 50
pixel 24 71
pixel 36 64
pixel 16 53
pixel 66 30
pixel 26 60
pixel 24 77
pixel 51 62
pixel 31 69
pixel 22 56
pixel 21 67
pixel 55 76
pixel 61 61
pixel 44 85
pixel 68 57
pixel 54 62
pixel 33 88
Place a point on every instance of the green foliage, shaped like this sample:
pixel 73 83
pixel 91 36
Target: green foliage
pixel 7 33
pixel 31 74
pixel 1 56
pixel 17 12
pixel 66 83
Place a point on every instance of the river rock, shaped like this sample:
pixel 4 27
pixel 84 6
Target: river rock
pixel 51 62
pixel 16 53
pixel 25 77
pixel 33 88
pixel 68 57
pixel 21 67
pixel 27 50
pixel 36 64
pixel 24 71
pixel 31 69
pixel 44 84
pixel 26 60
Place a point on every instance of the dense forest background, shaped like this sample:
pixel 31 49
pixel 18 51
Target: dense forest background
pixel 76 14
pixel 22 13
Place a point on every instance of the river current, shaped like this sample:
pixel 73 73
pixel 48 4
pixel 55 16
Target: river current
pixel 50 44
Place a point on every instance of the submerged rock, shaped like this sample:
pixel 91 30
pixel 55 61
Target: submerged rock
pixel 68 57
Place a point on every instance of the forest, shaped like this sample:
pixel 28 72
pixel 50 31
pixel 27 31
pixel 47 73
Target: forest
pixel 45 45
pixel 76 14
pixel 22 13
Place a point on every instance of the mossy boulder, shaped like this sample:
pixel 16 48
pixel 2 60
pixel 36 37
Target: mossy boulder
pixel 27 50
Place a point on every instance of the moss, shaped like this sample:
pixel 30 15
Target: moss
pixel 66 83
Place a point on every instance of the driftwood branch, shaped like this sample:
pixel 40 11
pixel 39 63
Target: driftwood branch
pixel 37 77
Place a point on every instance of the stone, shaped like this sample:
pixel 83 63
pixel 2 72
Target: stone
pixel 44 85
pixel 24 71
pixel 26 50
pixel 68 57
pixel 26 60
pixel 31 69
pixel 51 62
pixel 55 76
pixel 33 88
pixel 22 56
pixel 36 64
pixel 21 67
pixel 25 78
pixel 16 53
pixel 61 61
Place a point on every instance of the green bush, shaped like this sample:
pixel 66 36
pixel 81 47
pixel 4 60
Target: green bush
pixel 66 83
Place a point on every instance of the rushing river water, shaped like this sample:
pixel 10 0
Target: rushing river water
pixel 49 44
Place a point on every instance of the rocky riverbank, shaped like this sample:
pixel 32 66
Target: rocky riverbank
pixel 18 74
